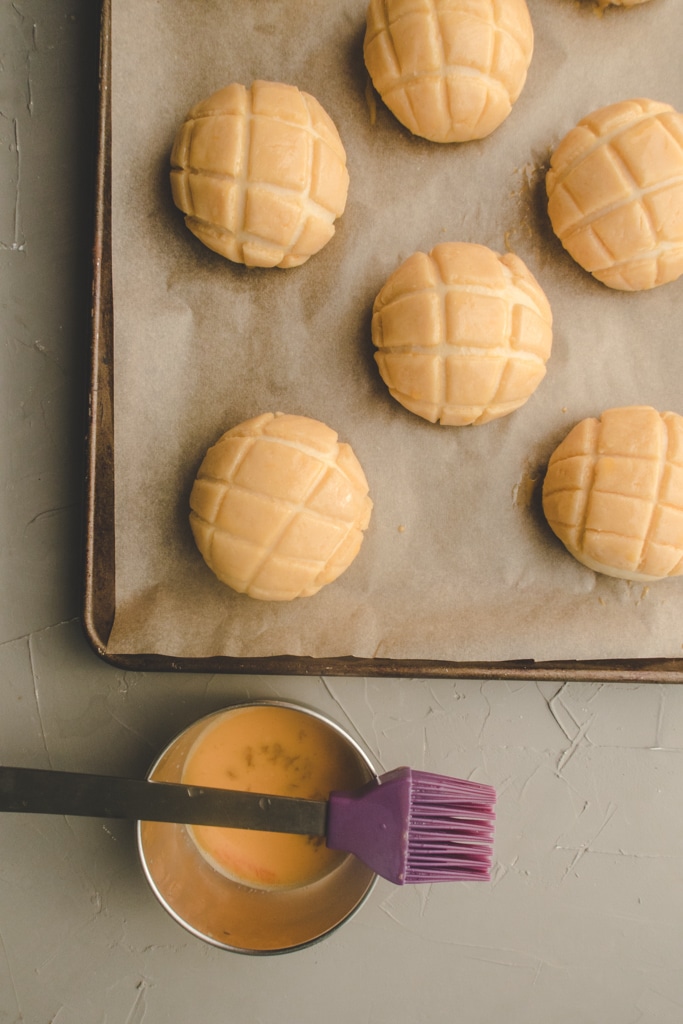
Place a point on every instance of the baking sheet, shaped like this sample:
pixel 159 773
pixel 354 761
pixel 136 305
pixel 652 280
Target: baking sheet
pixel 458 567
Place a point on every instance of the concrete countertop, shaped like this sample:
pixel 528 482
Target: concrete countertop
pixel 583 920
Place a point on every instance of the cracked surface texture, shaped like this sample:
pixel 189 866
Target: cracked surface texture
pixel 279 507
pixel 462 334
pixel 449 70
pixel 615 194
pixel 613 493
pixel 260 174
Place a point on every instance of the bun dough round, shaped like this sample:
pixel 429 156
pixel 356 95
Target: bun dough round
pixel 613 493
pixel 615 194
pixel 449 70
pixel 279 507
pixel 260 174
pixel 462 334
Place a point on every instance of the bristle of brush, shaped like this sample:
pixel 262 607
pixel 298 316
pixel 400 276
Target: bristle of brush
pixel 450 832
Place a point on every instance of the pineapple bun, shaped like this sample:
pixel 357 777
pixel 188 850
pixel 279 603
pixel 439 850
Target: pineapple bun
pixel 449 70
pixel 279 507
pixel 462 334
pixel 615 194
pixel 613 493
pixel 260 174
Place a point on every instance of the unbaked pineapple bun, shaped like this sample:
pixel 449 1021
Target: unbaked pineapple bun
pixel 279 507
pixel 613 493
pixel 449 70
pixel 260 174
pixel 462 334
pixel 615 194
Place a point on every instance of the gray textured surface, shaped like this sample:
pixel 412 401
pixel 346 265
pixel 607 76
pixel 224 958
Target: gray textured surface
pixel 583 920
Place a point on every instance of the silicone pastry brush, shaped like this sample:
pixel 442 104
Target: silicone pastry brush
pixel 415 826
pixel 407 826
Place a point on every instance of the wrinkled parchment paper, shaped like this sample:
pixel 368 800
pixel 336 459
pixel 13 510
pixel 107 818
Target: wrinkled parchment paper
pixel 458 563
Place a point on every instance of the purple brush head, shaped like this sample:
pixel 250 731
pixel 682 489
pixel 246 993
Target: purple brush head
pixel 415 826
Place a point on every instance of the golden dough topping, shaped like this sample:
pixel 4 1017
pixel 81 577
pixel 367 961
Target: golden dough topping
pixel 615 194
pixel 613 493
pixel 279 507
pixel 449 70
pixel 462 334
pixel 260 174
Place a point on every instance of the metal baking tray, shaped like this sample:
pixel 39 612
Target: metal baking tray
pixel 99 590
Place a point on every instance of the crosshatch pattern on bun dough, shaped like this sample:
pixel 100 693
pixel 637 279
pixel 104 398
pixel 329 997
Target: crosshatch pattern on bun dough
pixel 613 493
pixel 260 174
pixel 462 334
pixel 449 70
pixel 279 507
pixel 615 194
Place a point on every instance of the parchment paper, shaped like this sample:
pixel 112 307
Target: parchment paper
pixel 458 563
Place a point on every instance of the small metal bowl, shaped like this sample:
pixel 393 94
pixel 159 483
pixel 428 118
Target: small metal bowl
pixel 226 913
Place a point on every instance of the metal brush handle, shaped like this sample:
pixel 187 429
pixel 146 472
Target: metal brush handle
pixel 43 791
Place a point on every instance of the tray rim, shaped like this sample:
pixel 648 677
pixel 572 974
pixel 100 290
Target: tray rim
pixel 99 541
